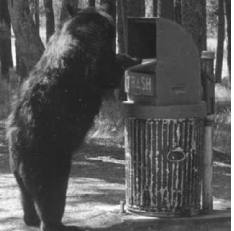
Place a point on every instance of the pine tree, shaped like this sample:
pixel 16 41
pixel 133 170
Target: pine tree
pixel 194 21
pixel 136 8
pixel 178 11
pixel 50 24
pixel 166 9
pixel 228 17
pixel 5 40
pixel 29 44
pixel 220 42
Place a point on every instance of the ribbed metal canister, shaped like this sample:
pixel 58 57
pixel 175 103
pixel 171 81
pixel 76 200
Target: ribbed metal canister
pixel 163 166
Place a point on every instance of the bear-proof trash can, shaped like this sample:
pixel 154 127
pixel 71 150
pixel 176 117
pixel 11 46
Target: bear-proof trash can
pixel 164 123
pixel 163 166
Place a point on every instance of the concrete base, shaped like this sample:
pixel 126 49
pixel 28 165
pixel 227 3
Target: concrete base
pixel 217 221
pixel 103 220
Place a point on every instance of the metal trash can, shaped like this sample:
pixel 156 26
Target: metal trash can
pixel 163 166
pixel 164 123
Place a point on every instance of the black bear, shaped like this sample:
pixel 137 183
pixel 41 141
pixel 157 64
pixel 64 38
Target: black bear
pixel 55 110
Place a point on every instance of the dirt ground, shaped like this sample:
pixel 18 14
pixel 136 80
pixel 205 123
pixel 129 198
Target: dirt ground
pixel 96 185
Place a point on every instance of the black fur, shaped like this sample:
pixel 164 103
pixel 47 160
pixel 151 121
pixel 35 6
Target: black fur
pixel 55 110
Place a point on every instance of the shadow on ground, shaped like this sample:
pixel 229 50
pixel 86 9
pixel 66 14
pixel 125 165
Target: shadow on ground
pixel 222 175
pixel 98 161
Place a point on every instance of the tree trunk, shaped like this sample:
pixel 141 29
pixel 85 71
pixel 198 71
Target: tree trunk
pixel 30 46
pixel 228 17
pixel 49 12
pixel 178 11
pixel 122 39
pixel 122 25
pixel 155 8
pixel 136 8
pixel 110 6
pixel 5 40
pixel 194 21
pixel 92 3
pixel 220 41
pixel 20 66
pixel 37 15
pixel 166 9
pixel 64 14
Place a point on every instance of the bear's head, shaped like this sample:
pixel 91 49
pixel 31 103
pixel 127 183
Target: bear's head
pixel 94 29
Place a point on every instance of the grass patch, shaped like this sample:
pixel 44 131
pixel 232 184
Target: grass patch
pixel 109 123
pixel 222 127
pixel 223 91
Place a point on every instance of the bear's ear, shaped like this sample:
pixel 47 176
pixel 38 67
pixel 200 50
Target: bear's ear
pixel 107 7
pixel 72 10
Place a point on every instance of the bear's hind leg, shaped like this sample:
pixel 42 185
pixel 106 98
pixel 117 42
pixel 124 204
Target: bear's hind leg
pixel 30 215
pixel 50 204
